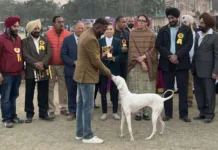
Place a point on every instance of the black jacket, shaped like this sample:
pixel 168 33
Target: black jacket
pixel 163 42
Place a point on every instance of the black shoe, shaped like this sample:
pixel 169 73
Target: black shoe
pixel 138 118
pixel 199 118
pixel 28 120
pixel 186 119
pixel 208 120
pixel 167 118
pixel 189 103
pixel 96 107
pixel 47 118
pixel 147 118
pixel 17 120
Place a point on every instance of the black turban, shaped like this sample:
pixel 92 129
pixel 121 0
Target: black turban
pixel 173 12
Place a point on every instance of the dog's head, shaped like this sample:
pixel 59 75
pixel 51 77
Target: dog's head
pixel 119 81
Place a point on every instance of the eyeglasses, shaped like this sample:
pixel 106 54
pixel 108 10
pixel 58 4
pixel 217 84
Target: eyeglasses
pixel 142 21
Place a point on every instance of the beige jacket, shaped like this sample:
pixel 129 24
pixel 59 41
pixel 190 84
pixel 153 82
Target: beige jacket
pixel 88 62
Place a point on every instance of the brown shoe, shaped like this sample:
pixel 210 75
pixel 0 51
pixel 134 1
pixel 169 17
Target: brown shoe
pixel 71 116
pixel 64 112
pixel 52 115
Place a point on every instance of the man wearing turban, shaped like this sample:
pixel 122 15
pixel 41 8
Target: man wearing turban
pixel 36 53
pixel 205 68
pixel 174 41
pixel 11 71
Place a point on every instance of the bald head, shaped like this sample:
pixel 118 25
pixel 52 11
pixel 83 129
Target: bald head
pixel 79 28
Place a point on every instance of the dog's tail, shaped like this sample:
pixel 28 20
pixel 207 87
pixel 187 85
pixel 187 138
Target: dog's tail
pixel 169 97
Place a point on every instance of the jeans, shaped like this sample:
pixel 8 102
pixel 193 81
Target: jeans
pixel 84 110
pixel 9 94
pixel 72 92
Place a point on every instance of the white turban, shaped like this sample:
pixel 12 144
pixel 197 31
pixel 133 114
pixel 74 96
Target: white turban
pixel 188 19
pixel 32 25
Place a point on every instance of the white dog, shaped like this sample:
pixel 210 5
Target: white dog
pixel 131 103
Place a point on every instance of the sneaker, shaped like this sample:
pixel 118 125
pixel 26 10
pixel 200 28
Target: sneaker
pixel 17 120
pixel 64 112
pixel 78 138
pixel 52 114
pixel 94 140
pixel 116 116
pixel 104 117
pixel 8 124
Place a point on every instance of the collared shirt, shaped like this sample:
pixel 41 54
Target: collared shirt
pixel 36 42
pixel 109 41
pixel 210 31
pixel 173 33
pixel 76 38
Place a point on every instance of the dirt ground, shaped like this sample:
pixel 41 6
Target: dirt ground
pixel 59 134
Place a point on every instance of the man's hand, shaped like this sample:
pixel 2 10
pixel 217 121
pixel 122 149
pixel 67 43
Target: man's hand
pixel 39 65
pixel 215 76
pixel 1 79
pixel 174 59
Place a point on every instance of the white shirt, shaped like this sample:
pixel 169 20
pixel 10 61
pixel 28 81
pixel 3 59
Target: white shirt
pixel 36 42
pixel 210 31
pixel 109 41
pixel 76 38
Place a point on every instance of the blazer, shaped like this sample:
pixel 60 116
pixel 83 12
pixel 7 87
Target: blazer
pixel 31 55
pixel 69 54
pixel 117 53
pixel 163 43
pixel 205 59
pixel 88 62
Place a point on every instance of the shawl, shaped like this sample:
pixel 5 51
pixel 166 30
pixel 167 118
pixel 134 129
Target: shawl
pixel 143 42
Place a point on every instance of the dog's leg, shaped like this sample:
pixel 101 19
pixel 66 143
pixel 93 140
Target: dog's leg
pixel 162 124
pixel 128 118
pixel 122 123
pixel 154 124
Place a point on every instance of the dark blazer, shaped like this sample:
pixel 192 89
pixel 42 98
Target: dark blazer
pixel 31 56
pixel 114 67
pixel 205 59
pixel 163 44
pixel 69 54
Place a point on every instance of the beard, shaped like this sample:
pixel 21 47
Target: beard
pixel 98 35
pixel 203 29
pixel 13 32
pixel 35 34
pixel 130 26
pixel 173 23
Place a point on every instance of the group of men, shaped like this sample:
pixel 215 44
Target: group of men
pixel 77 61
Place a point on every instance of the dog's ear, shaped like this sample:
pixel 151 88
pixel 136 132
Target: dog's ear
pixel 119 86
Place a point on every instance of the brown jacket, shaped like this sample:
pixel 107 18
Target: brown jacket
pixel 88 62
pixel 31 56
